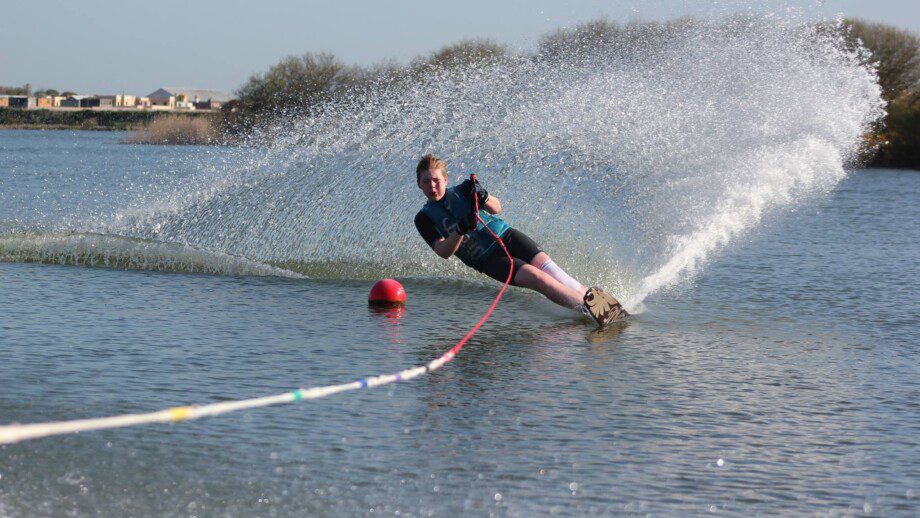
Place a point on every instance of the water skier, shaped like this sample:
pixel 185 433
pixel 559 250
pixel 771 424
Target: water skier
pixel 448 224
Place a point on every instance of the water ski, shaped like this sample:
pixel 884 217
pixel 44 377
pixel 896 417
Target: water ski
pixel 603 308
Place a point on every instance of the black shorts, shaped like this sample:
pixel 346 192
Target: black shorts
pixel 522 249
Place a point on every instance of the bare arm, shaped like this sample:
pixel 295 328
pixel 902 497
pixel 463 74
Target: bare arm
pixel 446 246
pixel 493 205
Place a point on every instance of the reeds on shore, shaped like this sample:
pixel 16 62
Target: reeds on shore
pixel 175 129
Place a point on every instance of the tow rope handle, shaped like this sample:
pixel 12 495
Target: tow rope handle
pixel 475 192
pixel 480 220
pixel 475 197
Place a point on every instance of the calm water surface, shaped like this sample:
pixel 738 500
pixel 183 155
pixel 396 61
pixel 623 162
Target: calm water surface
pixel 784 380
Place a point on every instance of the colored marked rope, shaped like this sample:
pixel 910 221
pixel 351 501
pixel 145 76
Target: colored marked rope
pixel 20 432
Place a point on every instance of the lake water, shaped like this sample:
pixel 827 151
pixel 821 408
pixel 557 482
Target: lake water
pixel 783 379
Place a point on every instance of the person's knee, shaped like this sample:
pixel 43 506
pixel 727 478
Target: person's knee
pixel 540 259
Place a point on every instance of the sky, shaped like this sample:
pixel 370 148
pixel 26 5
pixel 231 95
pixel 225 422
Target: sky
pixel 109 47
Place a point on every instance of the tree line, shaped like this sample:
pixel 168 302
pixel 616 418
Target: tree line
pixel 26 89
pixel 896 56
pixel 299 85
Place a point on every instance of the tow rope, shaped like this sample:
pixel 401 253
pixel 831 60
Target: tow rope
pixel 20 432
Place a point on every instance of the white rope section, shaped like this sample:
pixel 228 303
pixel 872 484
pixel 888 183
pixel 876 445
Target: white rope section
pixel 21 432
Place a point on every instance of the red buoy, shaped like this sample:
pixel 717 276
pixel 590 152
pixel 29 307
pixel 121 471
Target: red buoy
pixel 387 292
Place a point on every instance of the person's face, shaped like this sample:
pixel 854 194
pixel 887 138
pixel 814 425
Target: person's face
pixel 433 183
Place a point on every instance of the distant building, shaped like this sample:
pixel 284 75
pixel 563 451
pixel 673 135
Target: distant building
pixel 125 101
pixel 162 97
pixel 208 105
pixel 172 97
pixel 21 101
pixel 57 100
pixel 182 103
pixel 99 101
pixel 4 101
pixel 45 101
pixel 75 101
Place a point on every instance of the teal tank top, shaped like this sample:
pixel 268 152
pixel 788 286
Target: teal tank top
pixel 477 245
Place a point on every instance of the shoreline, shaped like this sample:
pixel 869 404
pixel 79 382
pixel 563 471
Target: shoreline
pixel 60 127
pixel 139 126
pixel 91 119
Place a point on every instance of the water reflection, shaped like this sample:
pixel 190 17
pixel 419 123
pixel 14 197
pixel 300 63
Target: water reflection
pixel 390 320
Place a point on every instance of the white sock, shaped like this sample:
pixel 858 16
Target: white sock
pixel 559 274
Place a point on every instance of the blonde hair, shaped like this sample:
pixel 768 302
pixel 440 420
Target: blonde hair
pixel 427 162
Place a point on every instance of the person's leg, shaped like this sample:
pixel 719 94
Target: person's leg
pixel 532 277
pixel 497 266
pixel 522 246
pixel 545 263
pixel 527 276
